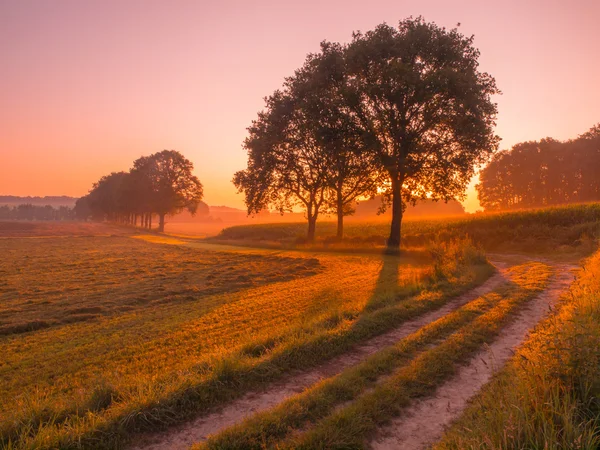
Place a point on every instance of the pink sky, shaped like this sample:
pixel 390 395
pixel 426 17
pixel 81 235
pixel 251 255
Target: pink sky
pixel 88 86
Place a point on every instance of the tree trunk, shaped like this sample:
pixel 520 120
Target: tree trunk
pixel 340 217
pixel 150 221
pixel 393 242
pixel 161 222
pixel 312 223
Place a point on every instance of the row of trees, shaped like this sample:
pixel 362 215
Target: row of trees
pixel 548 172
pixel 28 211
pixel 159 184
pixel 404 112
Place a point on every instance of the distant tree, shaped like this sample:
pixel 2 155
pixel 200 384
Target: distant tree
pixel 542 173
pixel 167 184
pixel 82 208
pixel 425 107
pixel 106 200
pixel 25 212
pixel 5 212
pixel 28 211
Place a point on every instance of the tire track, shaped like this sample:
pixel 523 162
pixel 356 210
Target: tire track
pixel 197 430
pixel 424 422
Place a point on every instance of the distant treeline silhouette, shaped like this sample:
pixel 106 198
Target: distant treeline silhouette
pixel 543 173
pixel 34 212
pixel 158 184
pixel 52 200
pixel 400 111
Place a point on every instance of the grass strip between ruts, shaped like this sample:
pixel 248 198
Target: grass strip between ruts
pixel 264 429
pixel 232 377
pixel 353 425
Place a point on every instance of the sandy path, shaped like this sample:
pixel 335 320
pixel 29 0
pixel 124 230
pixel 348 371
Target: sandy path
pixel 424 422
pixel 182 436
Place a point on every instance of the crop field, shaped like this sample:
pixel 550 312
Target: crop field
pixel 116 338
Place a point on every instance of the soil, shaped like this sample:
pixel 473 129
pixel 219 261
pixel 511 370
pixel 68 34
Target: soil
pixel 198 430
pixel 425 421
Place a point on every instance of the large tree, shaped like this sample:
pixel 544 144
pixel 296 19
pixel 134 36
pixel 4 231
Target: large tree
pixel 350 172
pixel 305 149
pixel 426 107
pixel 285 165
pixel 170 184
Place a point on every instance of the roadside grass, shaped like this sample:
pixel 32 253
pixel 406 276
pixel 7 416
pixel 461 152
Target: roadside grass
pixel 351 426
pixel 548 395
pixel 94 383
pixel 570 228
pixel 265 429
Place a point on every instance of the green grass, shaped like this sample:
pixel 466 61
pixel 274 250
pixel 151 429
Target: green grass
pixel 547 230
pixel 42 286
pixel 351 426
pixel 548 395
pixel 93 383
pixel 265 429
pixel 418 368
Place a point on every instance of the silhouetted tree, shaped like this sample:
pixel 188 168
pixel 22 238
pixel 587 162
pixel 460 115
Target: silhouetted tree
pixel 106 200
pixel 319 88
pixel 82 208
pixel 166 183
pixel 27 211
pixel 305 148
pixel 420 97
pixel 285 164
pixel 543 173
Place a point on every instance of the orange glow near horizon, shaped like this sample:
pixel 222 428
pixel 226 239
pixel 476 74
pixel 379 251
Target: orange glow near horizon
pixel 87 87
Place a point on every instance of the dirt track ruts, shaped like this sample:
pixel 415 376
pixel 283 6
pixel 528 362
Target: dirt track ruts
pixel 424 422
pixel 197 430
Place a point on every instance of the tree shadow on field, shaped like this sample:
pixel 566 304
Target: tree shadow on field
pixel 386 287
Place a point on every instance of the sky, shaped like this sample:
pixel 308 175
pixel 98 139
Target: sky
pixel 88 86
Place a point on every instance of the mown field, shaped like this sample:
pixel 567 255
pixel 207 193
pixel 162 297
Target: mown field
pixel 344 411
pixel 106 335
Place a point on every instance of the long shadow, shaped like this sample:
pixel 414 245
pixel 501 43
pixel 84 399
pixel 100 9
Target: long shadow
pixel 386 286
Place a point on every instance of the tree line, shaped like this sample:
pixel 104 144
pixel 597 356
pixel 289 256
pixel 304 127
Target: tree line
pixel 403 112
pixel 543 173
pixel 159 184
pixel 27 211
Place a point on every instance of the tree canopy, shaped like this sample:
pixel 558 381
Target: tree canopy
pixel 426 107
pixel 304 151
pixel 401 110
pixel 161 184
pixel 543 173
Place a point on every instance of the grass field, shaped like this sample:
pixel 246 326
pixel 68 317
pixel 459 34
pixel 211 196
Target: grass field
pixel 102 336
pixel 108 332
pixel 548 396
pixel 341 412
pixel 550 230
